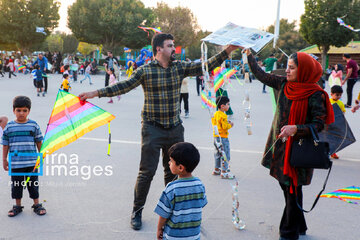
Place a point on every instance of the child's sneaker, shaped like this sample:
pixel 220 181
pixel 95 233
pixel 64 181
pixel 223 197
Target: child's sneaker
pixel 38 94
pixel 216 172
pixel 111 101
pixel 187 115
pixel 43 94
pixel 335 156
pixel 227 175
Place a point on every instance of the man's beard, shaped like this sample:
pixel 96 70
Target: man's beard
pixel 172 56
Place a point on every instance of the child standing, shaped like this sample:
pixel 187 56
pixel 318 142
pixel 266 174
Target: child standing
pixel 112 81
pixel 22 135
pixel 74 68
pixel 39 81
pixel 65 83
pixel 3 122
pixel 223 125
pixel 336 92
pixel 180 205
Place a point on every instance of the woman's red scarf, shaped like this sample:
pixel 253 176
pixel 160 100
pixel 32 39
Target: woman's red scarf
pixel 309 73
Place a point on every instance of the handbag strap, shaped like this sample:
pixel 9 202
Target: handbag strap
pixel 314 133
pixel 318 196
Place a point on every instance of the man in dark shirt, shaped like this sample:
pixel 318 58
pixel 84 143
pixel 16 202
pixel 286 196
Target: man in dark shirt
pixel 351 77
pixel 161 124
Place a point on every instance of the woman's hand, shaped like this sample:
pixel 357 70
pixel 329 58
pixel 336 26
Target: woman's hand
pixel 287 131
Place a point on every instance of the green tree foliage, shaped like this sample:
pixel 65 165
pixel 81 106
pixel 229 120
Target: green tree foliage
pixel 19 19
pixel 86 48
pixel 112 23
pixel 70 43
pixel 290 40
pixel 54 43
pixel 319 25
pixel 178 21
pixel 194 50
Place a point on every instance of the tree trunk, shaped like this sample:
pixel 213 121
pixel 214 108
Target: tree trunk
pixel 324 55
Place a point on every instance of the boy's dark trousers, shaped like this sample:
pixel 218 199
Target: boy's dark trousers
pixel 18 183
pixel 349 90
pixel 45 83
pixel 185 97
pixel 75 76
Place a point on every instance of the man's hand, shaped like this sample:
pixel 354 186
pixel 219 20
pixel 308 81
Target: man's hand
pixel 231 48
pixel 5 165
pixel 86 95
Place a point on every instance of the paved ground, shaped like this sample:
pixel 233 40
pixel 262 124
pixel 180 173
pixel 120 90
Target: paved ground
pixel 94 198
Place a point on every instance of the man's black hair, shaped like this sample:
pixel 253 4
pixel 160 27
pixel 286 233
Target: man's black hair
pixel 21 101
pixel 336 89
pixel 186 154
pixel 346 55
pixel 222 100
pixel 65 75
pixel 158 41
pixel 272 55
pixel 37 66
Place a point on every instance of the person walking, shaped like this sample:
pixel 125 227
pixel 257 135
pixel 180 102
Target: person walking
pixel 161 124
pixel 43 63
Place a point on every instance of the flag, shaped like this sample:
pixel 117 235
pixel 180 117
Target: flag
pixel 40 30
pixel 178 50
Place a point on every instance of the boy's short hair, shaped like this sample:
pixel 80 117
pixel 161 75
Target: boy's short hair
pixel 21 101
pixel 37 66
pixel 221 100
pixel 186 154
pixel 336 89
pixel 158 41
pixel 65 75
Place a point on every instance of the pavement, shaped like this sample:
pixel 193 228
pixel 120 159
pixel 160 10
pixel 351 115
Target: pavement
pixel 89 195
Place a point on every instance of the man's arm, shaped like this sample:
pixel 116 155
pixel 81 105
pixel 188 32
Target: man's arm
pixel 160 228
pixel 38 145
pixel 5 154
pixel 348 74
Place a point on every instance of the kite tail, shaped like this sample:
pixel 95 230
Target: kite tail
pixel 108 152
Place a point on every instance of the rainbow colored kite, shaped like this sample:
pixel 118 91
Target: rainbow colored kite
pixel 207 102
pixel 21 68
pixel 352 193
pixel 219 74
pixel 342 23
pixel 69 120
pixel 156 30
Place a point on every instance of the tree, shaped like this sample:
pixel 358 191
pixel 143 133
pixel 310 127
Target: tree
pixel 319 25
pixel 20 18
pixel 70 43
pixel 112 23
pixel 54 43
pixel 178 21
pixel 194 50
pixel 86 48
pixel 290 40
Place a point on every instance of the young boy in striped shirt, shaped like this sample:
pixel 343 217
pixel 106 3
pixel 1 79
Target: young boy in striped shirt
pixel 180 205
pixel 22 136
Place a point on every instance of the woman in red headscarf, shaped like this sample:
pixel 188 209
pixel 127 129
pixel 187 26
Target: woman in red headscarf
pixel 301 102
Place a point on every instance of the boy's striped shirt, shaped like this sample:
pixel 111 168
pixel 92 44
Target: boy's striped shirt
pixel 181 203
pixel 22 137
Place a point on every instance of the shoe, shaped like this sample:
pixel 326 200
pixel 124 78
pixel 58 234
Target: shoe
pixel 91 84
pixel 111 101
pixel 136 220
pixel 347 106
pixel 43 94
pixel 38 94
pixel 216 172
pixel 335 156
pixel 264 91
pixel 81 82
pixel 186 115
pixel 302 233
pixel 227 175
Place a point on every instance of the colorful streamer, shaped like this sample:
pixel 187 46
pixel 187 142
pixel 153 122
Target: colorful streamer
pixel 343 194
pixel 219 74
pixel 156 30
pixel 342 23
pixel 207 102
pixel 21 68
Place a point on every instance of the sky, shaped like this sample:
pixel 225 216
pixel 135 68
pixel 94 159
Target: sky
pixel 214 14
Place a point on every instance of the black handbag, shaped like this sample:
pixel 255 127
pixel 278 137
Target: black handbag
pixel 310 152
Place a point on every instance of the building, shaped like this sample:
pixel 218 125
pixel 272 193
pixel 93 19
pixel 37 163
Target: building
pixel 335 54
